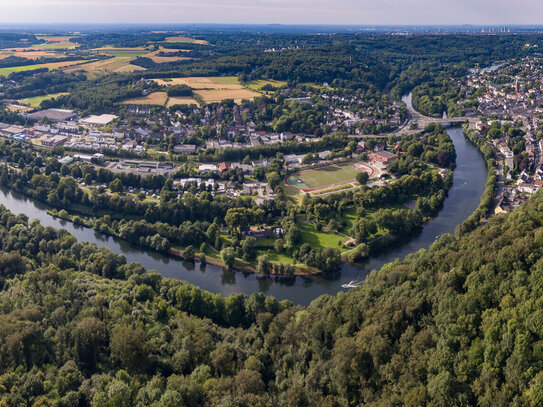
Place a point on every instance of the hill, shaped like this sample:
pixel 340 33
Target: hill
pixel 459 324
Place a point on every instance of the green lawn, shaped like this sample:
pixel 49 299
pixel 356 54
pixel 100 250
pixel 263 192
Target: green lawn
pixel 36 100
pixel 323 177
pixel 320 240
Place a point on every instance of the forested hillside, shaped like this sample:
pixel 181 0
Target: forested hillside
pixel 460 324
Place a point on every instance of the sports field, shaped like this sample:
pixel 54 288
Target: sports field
pixel 326 177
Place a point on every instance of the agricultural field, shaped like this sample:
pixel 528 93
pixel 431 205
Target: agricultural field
pixel 116 64
pixel 260 83
pixel 122 52
pixel 155 98
pixel 161 99
pixel 27 53
pixel 326 177
pixel 181 39
pixel 180 100
pixel 213 89
pixel 200 82
pixel 36 100
pixel 55 43
pixel 165 58
pixel 218 95
pixel 50 66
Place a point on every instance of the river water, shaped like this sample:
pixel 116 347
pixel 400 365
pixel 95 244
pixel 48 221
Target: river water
pixel 463 199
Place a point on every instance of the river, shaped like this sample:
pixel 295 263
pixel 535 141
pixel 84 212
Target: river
pixel 462 200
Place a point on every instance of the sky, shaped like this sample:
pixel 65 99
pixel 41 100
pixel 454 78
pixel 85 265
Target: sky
pixel 352 12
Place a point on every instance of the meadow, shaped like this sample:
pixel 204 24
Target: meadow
pixel 181 100
pixel 260 83
pixel 50 66
pixel 36 100
pixel 181 39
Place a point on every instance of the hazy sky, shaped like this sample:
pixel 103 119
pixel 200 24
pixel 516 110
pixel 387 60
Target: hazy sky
pixel 274 11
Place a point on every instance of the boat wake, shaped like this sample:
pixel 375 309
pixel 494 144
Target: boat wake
pixel 352 284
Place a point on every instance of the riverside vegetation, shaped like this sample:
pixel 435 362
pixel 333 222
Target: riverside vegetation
pixel 458 324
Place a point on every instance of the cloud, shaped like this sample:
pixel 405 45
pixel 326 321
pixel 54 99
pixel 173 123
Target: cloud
pixel 361 12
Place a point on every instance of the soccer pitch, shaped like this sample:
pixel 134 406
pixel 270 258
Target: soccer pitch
pixel 325 177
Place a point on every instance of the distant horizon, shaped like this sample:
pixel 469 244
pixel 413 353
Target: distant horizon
pixel 266 12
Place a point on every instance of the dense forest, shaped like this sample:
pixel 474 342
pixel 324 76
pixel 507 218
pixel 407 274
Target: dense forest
pixel 459 324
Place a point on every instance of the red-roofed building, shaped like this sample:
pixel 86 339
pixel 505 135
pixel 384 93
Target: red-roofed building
pixel 224 167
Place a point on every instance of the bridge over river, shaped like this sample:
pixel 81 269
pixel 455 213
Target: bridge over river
pixel 421 121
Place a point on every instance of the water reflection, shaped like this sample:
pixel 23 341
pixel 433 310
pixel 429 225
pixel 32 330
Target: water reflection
pixel 462 200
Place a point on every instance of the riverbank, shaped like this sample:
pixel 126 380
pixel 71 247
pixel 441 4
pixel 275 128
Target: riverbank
pixel 205 258
pixel 462 200
pixel 487 199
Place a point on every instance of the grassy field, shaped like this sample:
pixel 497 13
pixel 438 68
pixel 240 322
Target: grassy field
pixel 258 84
pixel 56 46
pixel 155 98
pixel 323 177
pixel 18 108
pixel 181 39
pixel 36 100
pixel 180 100
pixel 217 95
pixel 51 66
pixel 127 54
pixel 320 240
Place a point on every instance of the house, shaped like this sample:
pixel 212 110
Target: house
pixel 259 233
pixel 383 157
pixel 207 168
pixel 102 120
pixel 246 168
pixel 224 166
pixel 262 163
pixel 54 141
pixel 292 159
pixel 361 147
pixel 185 148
